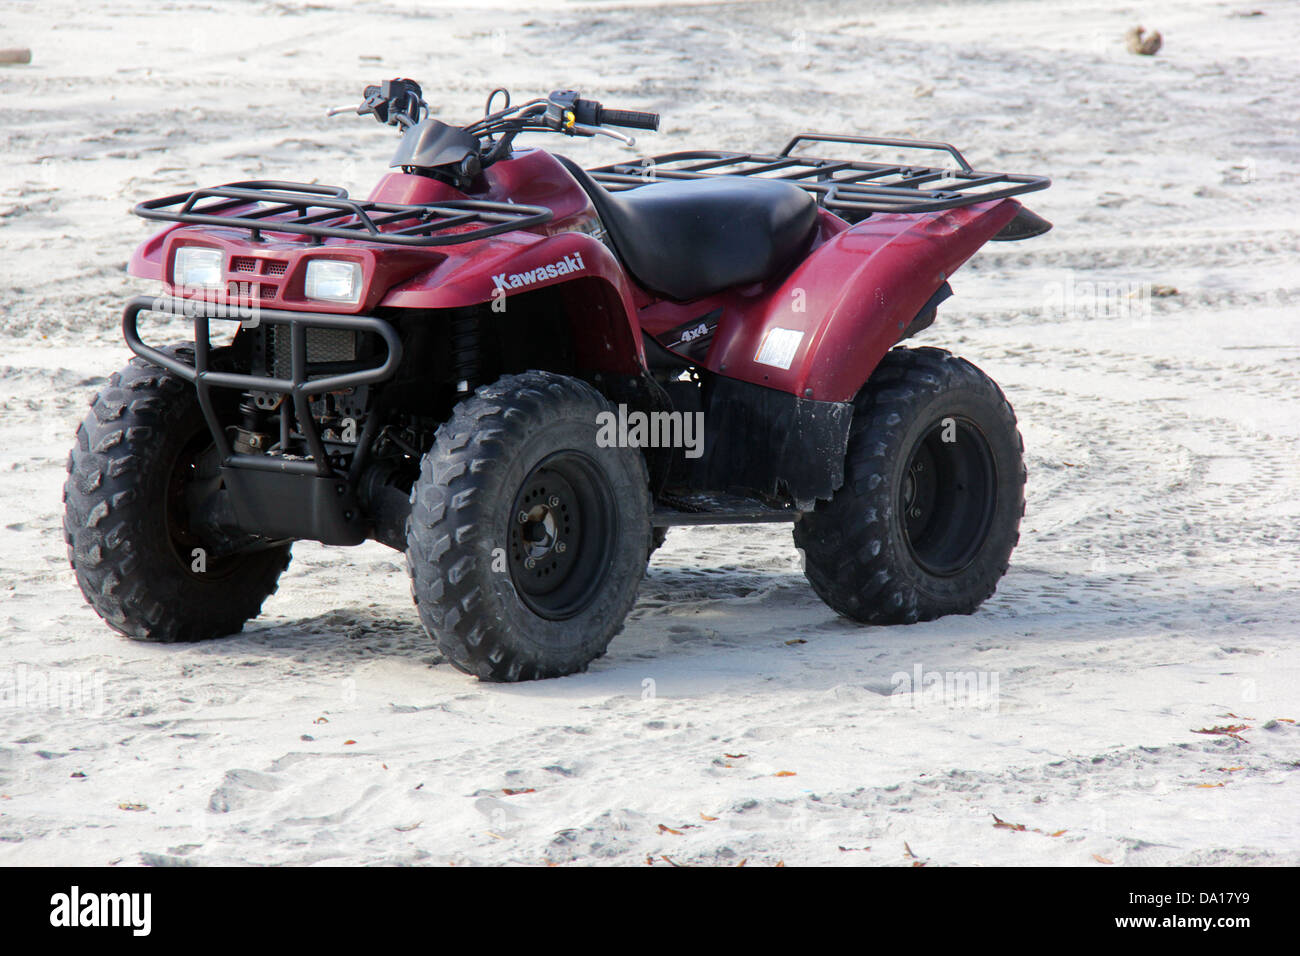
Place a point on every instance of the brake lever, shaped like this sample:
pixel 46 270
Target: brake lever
pixel 586 130
pixel 338 110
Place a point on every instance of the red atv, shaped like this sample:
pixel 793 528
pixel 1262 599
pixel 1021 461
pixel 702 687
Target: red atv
pixel 521 373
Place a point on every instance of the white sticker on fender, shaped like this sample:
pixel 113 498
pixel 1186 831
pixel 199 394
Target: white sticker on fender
pixel 552 270
pixel 778 348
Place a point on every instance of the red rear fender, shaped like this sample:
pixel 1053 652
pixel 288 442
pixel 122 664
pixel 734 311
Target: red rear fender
pixel 822 332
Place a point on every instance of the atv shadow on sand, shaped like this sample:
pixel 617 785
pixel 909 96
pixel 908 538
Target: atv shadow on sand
pixel 722 632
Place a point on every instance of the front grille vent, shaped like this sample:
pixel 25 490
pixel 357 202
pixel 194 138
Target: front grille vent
pixel 323 345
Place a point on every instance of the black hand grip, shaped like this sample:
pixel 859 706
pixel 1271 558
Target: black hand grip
pixel 633 119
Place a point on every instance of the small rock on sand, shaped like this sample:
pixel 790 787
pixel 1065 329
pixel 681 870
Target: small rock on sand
pixel 1140 41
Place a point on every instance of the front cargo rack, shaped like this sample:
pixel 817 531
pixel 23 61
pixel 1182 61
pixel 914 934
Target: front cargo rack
pixel 326 212
pixel 852 189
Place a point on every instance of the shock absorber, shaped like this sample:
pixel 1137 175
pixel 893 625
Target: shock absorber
pixel 250 438
pixel 465 350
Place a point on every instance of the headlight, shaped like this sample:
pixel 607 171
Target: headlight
pixel 197 266
pixel 333 280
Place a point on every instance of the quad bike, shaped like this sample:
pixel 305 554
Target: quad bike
pixel 521 373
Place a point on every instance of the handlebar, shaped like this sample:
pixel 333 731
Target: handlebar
pixel 632 119
pixel 569 113
pixel 399 102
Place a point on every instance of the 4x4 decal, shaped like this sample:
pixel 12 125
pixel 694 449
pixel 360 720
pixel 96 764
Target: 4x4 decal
pixel 694 337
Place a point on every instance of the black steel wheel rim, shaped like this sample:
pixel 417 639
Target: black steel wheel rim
pixel 562 534
pixel 194 475
pixel 948 496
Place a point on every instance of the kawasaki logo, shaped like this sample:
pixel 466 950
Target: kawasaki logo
pixel 552 270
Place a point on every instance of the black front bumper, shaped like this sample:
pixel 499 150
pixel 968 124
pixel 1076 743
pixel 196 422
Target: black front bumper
pixel 272 495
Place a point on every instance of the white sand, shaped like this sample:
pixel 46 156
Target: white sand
pixel 1153 593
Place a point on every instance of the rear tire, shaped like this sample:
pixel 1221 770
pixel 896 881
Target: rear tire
pixel 934 490
pixel 527 541
pixel 128 537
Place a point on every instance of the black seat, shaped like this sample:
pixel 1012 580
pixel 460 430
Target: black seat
pixel 685 239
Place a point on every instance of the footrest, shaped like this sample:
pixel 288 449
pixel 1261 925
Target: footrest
pixel 700 508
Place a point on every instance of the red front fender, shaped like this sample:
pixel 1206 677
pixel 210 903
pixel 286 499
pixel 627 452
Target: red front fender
pixel 848 303
pixel 597 295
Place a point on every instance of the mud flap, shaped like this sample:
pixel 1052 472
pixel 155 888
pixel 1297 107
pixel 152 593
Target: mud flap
pixel 1026 225
pixel 767 441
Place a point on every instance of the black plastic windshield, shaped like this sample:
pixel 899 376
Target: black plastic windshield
pixel 431 143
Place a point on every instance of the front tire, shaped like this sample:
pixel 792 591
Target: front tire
pixel 527 540
pixel 929 512
pixel 140 450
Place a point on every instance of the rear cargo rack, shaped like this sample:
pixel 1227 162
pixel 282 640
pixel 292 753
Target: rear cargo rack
pixel 852 189
pixel 326 212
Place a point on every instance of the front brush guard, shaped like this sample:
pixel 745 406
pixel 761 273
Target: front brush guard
pixel 271 495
